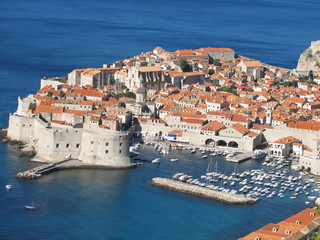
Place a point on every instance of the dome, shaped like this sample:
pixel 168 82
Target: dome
pixel 247 112
pixel 142 90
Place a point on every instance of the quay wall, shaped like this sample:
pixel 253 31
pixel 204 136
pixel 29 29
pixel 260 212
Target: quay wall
pixel 223 197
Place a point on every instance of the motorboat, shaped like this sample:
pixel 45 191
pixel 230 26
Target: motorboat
pixel 156 160
pixel 8 187
pixel 174 159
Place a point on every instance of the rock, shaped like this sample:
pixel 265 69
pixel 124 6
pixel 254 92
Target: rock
pixel 310 59
pixel 3 133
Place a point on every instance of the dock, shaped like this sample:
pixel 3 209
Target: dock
pixel 240 157
pixel 37 172
pixel 224 197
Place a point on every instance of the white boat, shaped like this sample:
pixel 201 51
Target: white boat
pixel 174 159
pixel 8 187
pixel 156 160
pixel 311 197
pixel 30 207
pixel 205 156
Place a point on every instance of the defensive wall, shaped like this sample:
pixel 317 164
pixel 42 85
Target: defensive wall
pixel 52 143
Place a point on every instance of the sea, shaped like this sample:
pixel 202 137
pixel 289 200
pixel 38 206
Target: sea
pixel 41 38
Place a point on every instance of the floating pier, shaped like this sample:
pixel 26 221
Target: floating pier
pixel 198 191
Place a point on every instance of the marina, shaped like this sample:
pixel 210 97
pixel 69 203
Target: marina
pixel 273 178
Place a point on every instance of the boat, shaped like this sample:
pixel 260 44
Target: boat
pixel 258 154
pixel 8 187
pixel 205 156
pixel 156 160
pixel 30 207
pixel 174 159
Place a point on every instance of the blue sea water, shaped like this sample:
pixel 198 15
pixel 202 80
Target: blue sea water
pixel 50 38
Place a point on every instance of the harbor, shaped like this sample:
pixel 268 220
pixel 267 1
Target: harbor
pixel 271 178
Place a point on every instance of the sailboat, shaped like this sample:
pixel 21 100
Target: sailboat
pixel 30 207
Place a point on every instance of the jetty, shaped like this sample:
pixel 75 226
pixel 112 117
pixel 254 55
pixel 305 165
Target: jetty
pixel 198 191
pixel 37 172
pixel 240 157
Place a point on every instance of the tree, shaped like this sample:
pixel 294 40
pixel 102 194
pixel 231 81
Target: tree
pixel 196 67
pixel 61 94
pixel 123 87
pixel 217 62
pixel 228 89
pixel 310 75
pixel 185 66
pixel 112 80
pixel 210 71
pixel 49 94
pixel 129 95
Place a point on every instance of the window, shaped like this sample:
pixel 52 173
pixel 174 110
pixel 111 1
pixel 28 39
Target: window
pixel 274 229
pixel 120 144
pixel 67 145
pixel 107 151
pixel 77 145
pixel 107 144
pixel 298 222
pixel 120 151
pixel 91 142
pixel 57 145
pixel 288 232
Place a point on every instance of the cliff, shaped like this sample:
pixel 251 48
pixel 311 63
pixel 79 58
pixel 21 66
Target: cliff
pixel 310 59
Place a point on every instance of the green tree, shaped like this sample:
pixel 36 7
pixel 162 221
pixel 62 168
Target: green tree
pixel 196 67
pixel 129 95
pixel 217 62
pixel 112 81
pixel 210 71
pixel 61 94
pixel 123 87
pixel 185 66
pixel 49 94
pixel 228 89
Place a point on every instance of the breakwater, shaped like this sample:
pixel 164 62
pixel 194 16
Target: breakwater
pixel 198 191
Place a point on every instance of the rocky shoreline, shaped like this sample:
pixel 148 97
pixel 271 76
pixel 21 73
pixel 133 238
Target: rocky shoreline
pixel 223 197
pixel 25 149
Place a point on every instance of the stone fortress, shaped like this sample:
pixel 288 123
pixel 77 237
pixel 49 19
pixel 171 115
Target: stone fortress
pixel 54 142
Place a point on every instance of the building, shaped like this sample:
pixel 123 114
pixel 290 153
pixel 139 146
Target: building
pixel 283 146
pixel 297 227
